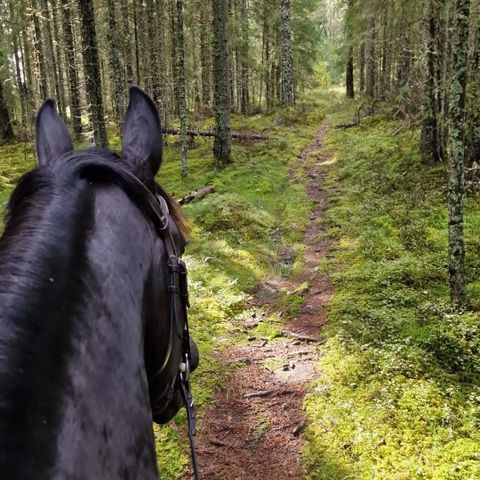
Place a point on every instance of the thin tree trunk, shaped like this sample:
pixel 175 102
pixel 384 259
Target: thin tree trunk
pixel 362 67
pixel 30 91
pixel 429 132
pixel 51 57
pixel 456 154
pixel 92 72
pixel 182 86
pixel 370 74
pixel 287 57
pixel 40 52
pixel 128 62
pixel 115 70
pixel 6 130
pixel 245 94
pixel 222 143
pixel 72 73
pixel 205 53
pixel 135 31
pixel 20 83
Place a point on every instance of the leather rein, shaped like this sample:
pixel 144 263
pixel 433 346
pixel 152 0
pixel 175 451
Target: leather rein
pixel 156 208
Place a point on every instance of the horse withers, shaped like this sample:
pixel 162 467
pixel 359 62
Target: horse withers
pixel 93 332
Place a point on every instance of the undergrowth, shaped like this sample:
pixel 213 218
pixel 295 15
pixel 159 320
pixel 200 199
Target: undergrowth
pixel 399 392
pixel 237 233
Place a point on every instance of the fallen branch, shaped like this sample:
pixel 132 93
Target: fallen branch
pixel 259 394
pixel 304 338
pixel 196 195
pixel 347 125
pixel 211 133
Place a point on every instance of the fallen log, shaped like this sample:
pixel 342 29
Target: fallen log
pixel 196 195
pixel 211 133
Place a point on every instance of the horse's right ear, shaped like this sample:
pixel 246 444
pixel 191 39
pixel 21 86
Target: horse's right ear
pixel 142 140
pixel 52 137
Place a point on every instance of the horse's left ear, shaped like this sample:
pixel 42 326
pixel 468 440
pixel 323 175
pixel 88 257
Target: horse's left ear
pixel 142 140
pixel 52 137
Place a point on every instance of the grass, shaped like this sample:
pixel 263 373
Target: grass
pixel 237 234
pixel 399 392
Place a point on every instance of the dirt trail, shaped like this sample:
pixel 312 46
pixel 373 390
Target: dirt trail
pixel 255 429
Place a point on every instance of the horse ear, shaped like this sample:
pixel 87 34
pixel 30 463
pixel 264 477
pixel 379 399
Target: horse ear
pixel 52 137
pixel 142 140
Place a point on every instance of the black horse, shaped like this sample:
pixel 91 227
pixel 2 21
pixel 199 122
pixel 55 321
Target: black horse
pixel 92 331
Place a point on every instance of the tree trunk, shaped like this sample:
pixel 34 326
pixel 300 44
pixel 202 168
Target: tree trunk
pixel 182 86
pixel 429 131
pixel 6 130
pixel 362 67
pixel 245 93
pixel 126 44
pixel 72 72
pixel 20 83
pixel 370 74
pixel 30 91
pixel 222 143
pixel 51 58
pixel 136 39
pixel 456 154
pixel 40 52
pixel 287 57
pixel 92 72
pixel 115 70
pixel 205 53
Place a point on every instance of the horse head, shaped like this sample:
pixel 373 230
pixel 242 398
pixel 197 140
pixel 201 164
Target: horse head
pixel 93 327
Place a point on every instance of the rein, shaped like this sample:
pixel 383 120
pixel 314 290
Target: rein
pixel 156 208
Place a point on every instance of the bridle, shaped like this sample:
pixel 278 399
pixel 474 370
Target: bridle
pixel 155 207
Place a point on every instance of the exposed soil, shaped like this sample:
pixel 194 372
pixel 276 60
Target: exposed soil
pixel 254 431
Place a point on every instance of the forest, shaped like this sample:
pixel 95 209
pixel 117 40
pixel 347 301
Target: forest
pixel 326 154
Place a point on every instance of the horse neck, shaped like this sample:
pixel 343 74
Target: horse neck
pixel 80 401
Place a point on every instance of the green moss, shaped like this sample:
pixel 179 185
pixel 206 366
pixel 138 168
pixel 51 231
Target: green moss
pixel 399 394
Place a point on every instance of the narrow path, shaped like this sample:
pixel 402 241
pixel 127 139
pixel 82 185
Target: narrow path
pixel 255 429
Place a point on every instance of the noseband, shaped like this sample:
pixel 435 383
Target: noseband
pixel 156 209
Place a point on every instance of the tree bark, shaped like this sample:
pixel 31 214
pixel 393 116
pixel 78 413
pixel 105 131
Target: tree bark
pixel 222 143
pixel 6 130
pixel 20 83
pixel 72 72
pixel 362 67
pixel 40 52
pixel 115 69
pixel 456 154
pixel 370 74
pixel 182 87
pixel 429 132
pixel 287 57
pixel 205 53
pixel 92 72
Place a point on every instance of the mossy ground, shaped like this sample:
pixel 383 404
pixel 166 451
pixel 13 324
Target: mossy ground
pixel 399 390
pixel 236 236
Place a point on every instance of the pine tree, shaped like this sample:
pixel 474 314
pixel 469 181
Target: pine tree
pixel 182 102
pixel 222 143
pixel 287 58
pixel 92 72
pixel 72 72
pixel 456 155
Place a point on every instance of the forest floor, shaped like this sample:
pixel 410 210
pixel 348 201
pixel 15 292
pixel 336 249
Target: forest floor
pixel 254 430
